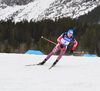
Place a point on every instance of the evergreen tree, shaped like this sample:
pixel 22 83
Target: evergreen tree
pixel 7 47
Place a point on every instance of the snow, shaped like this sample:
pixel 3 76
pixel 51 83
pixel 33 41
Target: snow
pixel 47 9
pixel 72 73
pixel 29 11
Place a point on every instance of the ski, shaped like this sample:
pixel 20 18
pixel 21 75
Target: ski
pixel 51 67
pixel 32 64
pixel 53 64
pixel 38 64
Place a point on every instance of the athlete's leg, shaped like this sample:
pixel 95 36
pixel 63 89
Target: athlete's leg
pixel 63 50
pixel 56 48
pixel 61 53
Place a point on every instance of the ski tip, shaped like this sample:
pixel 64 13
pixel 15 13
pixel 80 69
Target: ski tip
pixel 31 65
pixel 51 67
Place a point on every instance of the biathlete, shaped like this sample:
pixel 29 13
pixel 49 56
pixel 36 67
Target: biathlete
pixel 63 42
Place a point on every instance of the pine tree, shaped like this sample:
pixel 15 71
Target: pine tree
pixel 7 47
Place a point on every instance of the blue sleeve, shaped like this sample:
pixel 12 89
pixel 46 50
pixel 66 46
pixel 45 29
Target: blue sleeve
pixel 72 38
pixel 65 33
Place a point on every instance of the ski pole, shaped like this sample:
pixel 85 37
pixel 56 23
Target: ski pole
pixel 78 52
pixel 48 40
pixel 74 28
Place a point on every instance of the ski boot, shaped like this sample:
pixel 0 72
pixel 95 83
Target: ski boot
pixel 42 63
pixel 53 64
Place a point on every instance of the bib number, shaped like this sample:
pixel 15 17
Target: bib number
pixel 64 42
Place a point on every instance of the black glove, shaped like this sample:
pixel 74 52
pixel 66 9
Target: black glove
pixel 61 46
pixel 71 51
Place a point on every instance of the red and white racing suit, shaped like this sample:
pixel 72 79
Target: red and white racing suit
pixel 64 40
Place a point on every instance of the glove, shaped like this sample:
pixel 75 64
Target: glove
pixel 71 51
pixel 61 46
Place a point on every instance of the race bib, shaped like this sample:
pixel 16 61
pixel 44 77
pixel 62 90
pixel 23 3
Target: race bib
pixel 64 42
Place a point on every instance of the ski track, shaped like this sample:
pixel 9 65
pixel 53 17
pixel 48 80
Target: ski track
pixel 72 73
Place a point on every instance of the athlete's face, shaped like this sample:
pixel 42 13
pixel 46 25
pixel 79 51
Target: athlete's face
pixel 69 35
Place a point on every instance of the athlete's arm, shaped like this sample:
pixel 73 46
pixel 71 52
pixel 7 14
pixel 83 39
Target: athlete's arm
pixel 75 44
pixel 62 36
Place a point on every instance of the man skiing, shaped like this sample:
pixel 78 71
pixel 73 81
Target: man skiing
pixel 63 42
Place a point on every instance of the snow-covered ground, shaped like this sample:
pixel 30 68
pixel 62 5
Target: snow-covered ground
pixel 70 74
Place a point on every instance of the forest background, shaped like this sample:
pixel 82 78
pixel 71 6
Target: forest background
pixel 24 36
